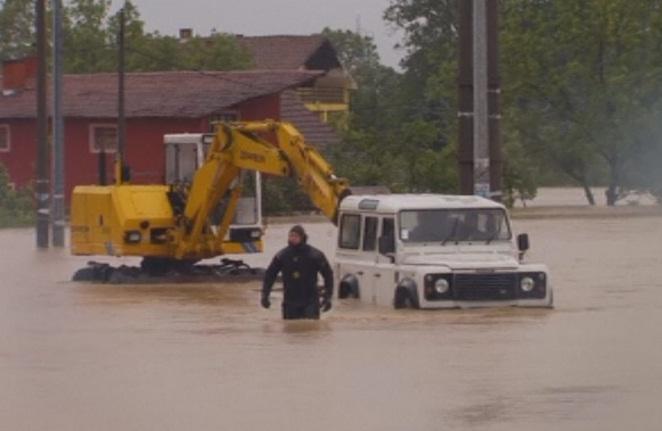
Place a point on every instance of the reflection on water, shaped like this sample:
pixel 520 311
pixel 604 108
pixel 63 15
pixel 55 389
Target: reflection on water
pixel 81 356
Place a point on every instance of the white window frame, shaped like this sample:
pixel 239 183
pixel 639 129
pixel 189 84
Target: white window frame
pixel 92 128
pixel 8 131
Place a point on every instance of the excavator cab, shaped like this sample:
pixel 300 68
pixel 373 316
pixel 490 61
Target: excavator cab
pixel 185 154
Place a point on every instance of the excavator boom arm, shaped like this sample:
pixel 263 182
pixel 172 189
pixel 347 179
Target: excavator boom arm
pixel 314 173
pixel 269 147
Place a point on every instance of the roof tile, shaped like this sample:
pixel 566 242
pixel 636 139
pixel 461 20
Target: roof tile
pixel 181 94
pixel 281 52
pixel 316 132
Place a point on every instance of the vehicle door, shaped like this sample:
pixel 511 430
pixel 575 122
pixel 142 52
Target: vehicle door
pixel 384 268
pixel 349 256
pixel 370 273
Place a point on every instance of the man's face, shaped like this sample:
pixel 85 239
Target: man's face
pixel 294 239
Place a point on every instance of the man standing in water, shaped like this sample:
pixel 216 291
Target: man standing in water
pixel 299 263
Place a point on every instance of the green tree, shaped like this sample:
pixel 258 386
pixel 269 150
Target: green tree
pixel 390 140
pixel 430 62
pixel 582 78
pixel 376 84
pixel 87 41
pixel 217 52
pixel 91 44
pixel 16 28
pixel 519 171
pixel 579 81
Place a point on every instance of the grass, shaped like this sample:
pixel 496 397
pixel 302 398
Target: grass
pixel 16 206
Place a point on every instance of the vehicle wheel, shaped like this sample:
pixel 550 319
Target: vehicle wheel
pixel 406 296
pixel 348 290
pixel 409 302
pixel 354 291
pixel 343 290
pixel 402 299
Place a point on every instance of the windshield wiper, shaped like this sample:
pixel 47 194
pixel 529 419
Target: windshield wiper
pixel 452 234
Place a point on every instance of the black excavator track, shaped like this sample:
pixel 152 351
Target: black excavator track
pixel 163 272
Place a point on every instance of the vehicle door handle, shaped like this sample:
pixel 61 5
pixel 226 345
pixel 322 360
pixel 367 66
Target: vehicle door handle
pixel 359 273
pixel 378 275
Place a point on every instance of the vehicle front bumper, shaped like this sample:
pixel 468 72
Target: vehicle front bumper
pixel 476 289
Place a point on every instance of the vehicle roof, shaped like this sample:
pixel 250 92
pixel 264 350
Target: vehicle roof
pixel 392 203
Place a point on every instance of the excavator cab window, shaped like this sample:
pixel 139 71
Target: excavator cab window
pixel 186 152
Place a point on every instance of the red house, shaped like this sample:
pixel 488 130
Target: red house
pixel 156 104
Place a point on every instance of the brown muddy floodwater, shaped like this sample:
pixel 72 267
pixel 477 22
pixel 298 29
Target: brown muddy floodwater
pixel 176 357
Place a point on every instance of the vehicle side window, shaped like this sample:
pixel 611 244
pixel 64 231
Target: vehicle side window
pixel 350 231
pixel 388 230
pixel 370 233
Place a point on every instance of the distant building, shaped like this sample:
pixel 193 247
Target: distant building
pixel 294 78
pixel 327 95
pixel 156 104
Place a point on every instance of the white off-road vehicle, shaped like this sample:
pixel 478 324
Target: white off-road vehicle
pixel 434 251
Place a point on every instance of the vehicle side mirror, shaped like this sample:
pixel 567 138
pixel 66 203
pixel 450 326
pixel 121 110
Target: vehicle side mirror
pixel 386 245
pixel 523 242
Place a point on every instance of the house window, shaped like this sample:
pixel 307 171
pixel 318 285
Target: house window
pixel 350 231
pixel 103 137
pixel 4 138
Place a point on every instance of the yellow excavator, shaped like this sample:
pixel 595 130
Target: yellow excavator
pixel 171 225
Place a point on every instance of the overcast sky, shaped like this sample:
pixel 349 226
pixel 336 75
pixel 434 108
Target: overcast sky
pixel 259 17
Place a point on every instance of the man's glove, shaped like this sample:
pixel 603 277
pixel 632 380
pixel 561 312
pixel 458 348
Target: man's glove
pixel 325 305
pixel 265 302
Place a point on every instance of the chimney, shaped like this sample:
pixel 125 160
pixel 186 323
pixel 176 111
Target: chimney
pixel 19 74
pixel 185 34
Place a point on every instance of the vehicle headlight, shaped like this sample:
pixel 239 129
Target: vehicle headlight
pixel 527 284
pixel 441 286
pixel 132 236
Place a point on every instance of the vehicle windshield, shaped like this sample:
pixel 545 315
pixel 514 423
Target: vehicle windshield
pixel 442 225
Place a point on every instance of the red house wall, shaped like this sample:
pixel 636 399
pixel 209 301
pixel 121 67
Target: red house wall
pixel 261 108
pixel 144 149
pixel 145 152
pixel 21 159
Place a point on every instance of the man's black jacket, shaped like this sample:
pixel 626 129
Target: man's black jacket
pixel 299 266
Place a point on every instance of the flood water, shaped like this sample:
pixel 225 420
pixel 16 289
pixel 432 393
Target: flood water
pixel 206 357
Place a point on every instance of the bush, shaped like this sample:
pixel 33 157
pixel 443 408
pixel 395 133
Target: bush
pixel 16 206
pixel 284 196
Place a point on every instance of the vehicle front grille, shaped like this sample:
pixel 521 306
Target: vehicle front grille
pixel 485 287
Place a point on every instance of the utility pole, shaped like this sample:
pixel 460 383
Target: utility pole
pixel 481 172
pixel 465 98
pixel 58 129
pixel 479 153
pixel 120 169
pixel 42 183
pixel 493 100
